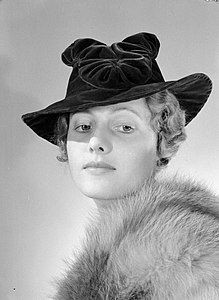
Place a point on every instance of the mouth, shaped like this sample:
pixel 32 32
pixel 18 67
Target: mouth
pixel 98 166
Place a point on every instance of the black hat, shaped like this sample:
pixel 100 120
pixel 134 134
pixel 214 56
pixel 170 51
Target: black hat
pixel 124 71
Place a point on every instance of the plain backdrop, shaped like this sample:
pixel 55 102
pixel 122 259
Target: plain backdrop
pixel 42 215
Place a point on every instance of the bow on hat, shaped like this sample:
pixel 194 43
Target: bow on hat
pixel 119 66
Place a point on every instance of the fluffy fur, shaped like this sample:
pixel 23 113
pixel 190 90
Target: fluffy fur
pixel 159 243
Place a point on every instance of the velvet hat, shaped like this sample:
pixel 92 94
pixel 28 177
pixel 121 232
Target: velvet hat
pixel 125 71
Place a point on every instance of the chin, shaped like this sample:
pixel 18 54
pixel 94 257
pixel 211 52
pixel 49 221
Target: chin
pixel 98 194
pixel 95 187
pixel 98 191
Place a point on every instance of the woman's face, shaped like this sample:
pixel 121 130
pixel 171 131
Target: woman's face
pixel 111 149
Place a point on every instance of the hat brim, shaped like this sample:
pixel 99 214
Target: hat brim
pixel 191 91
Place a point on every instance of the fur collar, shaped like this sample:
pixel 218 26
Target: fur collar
pixel 160 242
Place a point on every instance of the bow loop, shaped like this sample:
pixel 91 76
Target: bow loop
pixel 71 54
pixel 144 43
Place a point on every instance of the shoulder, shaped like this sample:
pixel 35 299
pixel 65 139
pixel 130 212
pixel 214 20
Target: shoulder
pixel 173 235
pixel 181 214
pixel 177 193
pixel 175 207
pixel 170 198
pixel 167 233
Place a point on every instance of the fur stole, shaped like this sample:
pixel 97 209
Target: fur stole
pixel 159 243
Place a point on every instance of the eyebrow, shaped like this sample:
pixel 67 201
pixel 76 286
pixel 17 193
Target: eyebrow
pixel 117 109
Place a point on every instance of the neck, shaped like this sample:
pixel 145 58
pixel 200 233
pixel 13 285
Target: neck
pixel 104 205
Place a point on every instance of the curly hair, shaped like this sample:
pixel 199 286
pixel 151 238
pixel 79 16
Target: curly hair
pixel 167 121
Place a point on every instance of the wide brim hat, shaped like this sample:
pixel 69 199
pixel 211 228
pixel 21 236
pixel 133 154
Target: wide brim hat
pixel 104 75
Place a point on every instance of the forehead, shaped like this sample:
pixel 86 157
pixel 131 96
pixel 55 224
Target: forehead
pixel 139 107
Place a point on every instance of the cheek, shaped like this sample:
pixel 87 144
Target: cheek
pixel 140 160
pixel 147 161
pixel 74 157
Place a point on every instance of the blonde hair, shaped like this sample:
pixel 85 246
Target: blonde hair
pixel 167 121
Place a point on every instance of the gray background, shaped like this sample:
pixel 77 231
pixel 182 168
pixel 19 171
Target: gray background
pixel 42 215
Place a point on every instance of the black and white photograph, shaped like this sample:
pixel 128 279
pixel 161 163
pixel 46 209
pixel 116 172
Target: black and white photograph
pixel 110 150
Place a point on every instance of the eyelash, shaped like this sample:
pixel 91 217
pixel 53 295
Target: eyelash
pixel 80 126
pixel 123 131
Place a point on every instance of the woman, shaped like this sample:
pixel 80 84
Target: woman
pixel 119 124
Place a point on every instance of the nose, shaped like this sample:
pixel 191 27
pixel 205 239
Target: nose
pixel 100 145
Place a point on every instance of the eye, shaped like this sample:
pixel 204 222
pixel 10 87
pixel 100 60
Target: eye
pixel 83 128
pixel 125 128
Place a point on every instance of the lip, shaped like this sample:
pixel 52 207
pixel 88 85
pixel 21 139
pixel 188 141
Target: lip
pixel 98 165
